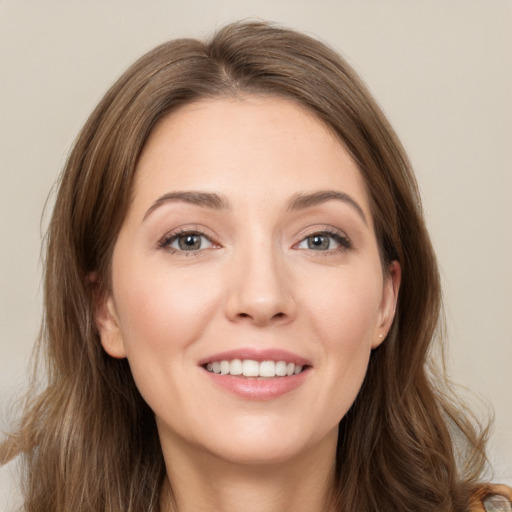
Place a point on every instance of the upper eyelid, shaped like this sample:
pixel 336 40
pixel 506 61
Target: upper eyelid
pixel 329 230
pixel 190 228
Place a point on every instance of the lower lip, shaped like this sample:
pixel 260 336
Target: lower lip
pixel 257 388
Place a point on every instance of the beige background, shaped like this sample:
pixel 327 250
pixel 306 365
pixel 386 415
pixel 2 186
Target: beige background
pixel 442 71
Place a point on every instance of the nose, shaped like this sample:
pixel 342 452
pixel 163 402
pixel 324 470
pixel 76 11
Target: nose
pixel 260 289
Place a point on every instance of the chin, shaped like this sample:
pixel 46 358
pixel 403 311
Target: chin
pixel 253 454
pixel 265 443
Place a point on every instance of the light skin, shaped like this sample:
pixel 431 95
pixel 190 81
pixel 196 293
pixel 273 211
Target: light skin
pixel 250 228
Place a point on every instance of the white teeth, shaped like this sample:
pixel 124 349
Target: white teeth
pixel 235 367
pixel 267 369
pixel 252 368
pixel 224 367
pixel 281 368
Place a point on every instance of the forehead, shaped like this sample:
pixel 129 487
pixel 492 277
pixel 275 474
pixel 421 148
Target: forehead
pixel 252 146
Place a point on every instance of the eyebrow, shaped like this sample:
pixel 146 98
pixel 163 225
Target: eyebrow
pixel 303 201
pixel 205 199
pixel 217 202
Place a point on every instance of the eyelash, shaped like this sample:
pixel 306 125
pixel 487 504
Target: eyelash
pixel 170 238
pixel 343 241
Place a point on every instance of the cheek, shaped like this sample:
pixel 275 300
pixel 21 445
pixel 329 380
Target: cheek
pixel 344 315
pixel 161 314
pixel 345 307
pixel 151 296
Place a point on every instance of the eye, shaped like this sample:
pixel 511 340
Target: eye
pixel 324 241
pixel 187 241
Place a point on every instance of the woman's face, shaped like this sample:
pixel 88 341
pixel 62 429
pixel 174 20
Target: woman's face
pixel 248 250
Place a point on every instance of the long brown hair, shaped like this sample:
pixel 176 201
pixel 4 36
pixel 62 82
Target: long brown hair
pixel 88 440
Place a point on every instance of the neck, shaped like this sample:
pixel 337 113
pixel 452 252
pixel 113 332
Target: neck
pixel 202 482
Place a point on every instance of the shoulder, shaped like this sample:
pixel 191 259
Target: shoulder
pixel 492 498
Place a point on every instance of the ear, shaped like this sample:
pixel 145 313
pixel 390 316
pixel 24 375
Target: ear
pixel 388 305
pixel 108 326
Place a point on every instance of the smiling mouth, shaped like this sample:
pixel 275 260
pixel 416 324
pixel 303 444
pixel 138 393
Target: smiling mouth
pixel 252 368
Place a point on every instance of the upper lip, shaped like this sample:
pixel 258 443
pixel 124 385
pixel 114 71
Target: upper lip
pixel 269 354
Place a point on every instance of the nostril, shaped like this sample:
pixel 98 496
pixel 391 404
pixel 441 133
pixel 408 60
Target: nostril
pixel 274 317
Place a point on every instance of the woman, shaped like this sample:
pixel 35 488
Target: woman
pixel 240 298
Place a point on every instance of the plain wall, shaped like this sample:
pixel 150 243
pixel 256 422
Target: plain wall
pixel 441 70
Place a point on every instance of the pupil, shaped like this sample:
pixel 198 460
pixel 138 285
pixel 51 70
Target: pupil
pixel 318 242
pixel 190 242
